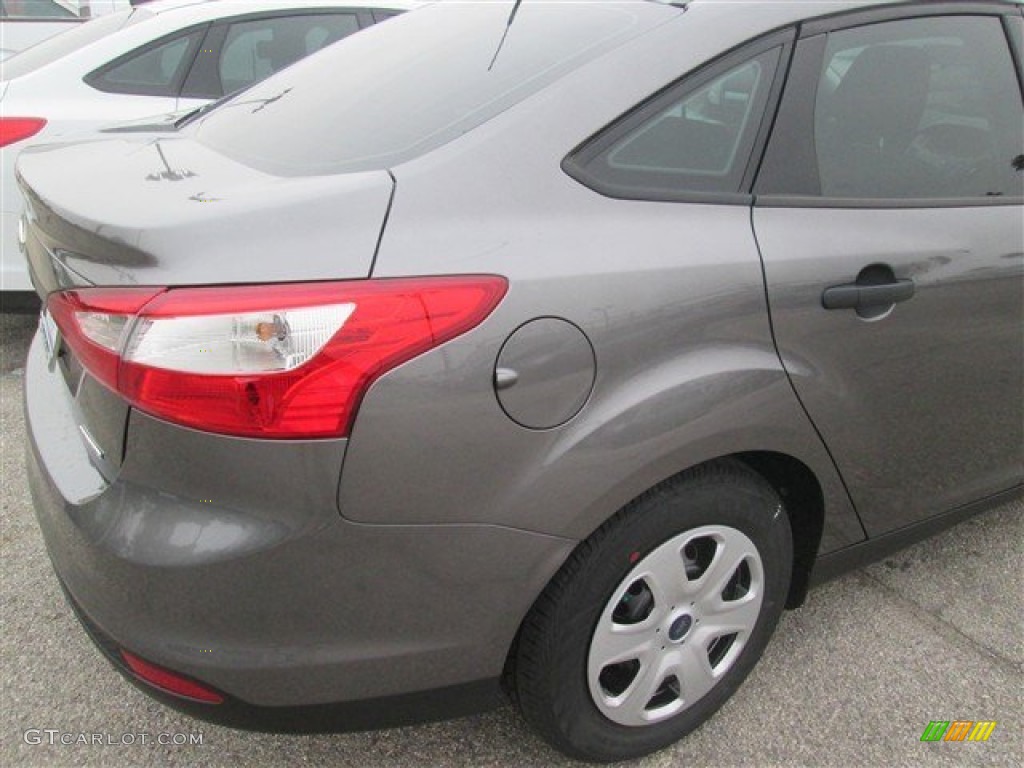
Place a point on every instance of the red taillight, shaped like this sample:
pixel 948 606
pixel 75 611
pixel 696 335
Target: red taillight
pixel 14 129
pixel 94 322
pixel 278 361
pixel 169 681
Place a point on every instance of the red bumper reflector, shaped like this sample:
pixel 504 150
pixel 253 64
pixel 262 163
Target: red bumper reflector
pixel 170 682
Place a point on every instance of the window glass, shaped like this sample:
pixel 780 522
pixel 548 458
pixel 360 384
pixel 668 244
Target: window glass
pixel 700 135
pixel 256 49
pixel 402 88
pixel 152 71
pixel 922 108
pixel 697 142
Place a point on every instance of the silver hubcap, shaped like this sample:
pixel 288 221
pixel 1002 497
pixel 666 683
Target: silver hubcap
pixel 675 625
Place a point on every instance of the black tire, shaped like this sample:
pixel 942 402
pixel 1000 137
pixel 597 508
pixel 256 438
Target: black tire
pixel 551 658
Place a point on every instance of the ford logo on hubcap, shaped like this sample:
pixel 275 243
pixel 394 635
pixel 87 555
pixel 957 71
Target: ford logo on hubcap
pixel 680 627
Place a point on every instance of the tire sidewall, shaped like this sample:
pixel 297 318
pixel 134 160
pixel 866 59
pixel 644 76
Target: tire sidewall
pixel 748 506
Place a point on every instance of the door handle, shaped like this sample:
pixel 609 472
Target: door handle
pixel 858 296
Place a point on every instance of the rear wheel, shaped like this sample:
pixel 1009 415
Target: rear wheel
pixel 658 617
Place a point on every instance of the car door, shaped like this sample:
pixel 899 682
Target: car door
pixel 890 222
pixel 239 52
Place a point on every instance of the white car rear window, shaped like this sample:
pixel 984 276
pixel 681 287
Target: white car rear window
pixel 60 45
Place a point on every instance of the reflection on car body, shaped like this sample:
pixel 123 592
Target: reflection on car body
pixel 560 372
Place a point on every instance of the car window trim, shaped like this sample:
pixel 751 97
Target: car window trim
pixel 203 70
pixel 863 17
pixel 797 109
pixel 575 163
pixel 377 15
pixel 1013 26
pixel 915 203
pixel 44 19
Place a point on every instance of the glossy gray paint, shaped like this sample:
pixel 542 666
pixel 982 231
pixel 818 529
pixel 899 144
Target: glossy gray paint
pixel 198 546
pixel 105 417
pixel 439 491
pixel 185 215
pixel 676 320
pixel 918 423
pixel 545 373
pixel 686 370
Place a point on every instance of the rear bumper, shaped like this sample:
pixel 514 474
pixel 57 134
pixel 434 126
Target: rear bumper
pixel 13 266
pixel 386 712
pixel 194 558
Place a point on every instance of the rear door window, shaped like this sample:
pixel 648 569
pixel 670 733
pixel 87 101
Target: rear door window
pixel 238 54
pixel 901 113
pixel 918 109
pixel 256 49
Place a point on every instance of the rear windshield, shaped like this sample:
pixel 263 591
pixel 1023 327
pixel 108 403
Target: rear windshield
pixel 63 43
pixel 404 87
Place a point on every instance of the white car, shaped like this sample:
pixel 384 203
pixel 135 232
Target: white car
pixel 156 58
pixel 24 23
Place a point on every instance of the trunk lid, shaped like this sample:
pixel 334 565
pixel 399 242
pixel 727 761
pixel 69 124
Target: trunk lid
pixel 149 209
pixel 159 210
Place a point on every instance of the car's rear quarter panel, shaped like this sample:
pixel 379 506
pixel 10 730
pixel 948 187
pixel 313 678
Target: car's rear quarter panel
pixel 670 295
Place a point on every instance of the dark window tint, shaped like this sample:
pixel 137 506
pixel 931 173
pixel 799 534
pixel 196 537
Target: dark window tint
pixel 922 108
pixel 402 88
pixel 155 70
pixel 255 49
pixel 696 138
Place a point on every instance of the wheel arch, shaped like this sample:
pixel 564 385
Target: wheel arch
pixel 810 500
pixel 803 499
pixel 541 670
pixel 804 502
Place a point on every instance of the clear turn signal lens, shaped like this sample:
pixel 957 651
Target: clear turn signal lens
pixel 255 342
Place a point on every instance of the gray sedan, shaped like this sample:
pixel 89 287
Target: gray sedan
pixel 527 348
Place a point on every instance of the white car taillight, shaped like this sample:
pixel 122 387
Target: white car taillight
pixel 278 361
